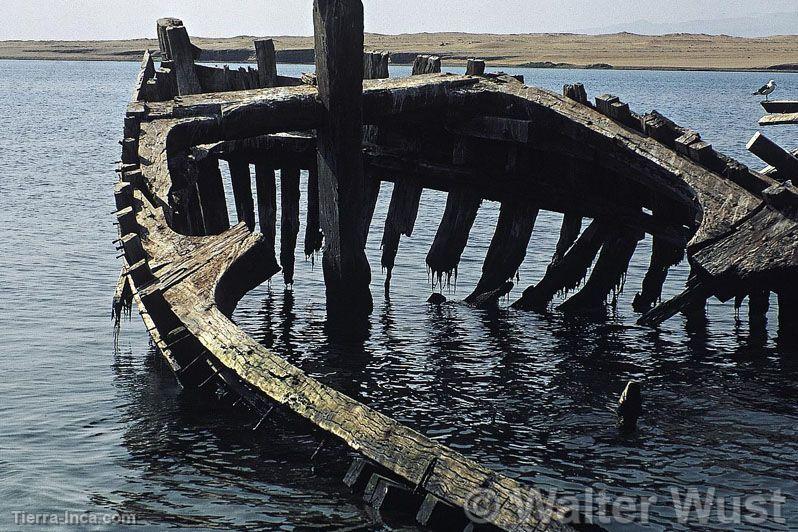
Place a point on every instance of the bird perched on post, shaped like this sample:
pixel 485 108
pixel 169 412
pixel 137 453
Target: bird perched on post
pixel 766 90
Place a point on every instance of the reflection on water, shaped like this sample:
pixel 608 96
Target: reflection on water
pixel 87 428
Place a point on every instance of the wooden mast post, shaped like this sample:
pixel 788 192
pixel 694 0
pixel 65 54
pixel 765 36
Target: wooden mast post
pixel 338 28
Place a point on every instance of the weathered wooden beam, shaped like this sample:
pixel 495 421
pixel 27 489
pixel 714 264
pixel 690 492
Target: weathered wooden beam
pixel 338 26
pixel 569 232
pixel 491 128
pixel 475 67
pixel 694 296
pixel 783 161
pixel 146 74
pixel 401 219
pixel 266 188
pixel 182 55
pixel 663 256
pixel 267 62
pixel 608 274
pixel 507 247
pixel 452 236
pixel 780 106
pixel 313 235
pixel 375 66
pixel 568 272
pixel 779 119
pixel 289 221
pixel 426 64
pixel 241 180
pixel 163 41
pixel 212 197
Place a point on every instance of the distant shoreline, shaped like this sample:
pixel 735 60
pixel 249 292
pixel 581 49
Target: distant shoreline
pixel 621 51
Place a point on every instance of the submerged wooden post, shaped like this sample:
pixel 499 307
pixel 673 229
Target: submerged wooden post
pixel 289 221
pixel 313 235
pixel 568 272
pixel 267 62
pixel 241 180
pixel 338 26
pixel 607 274
pixel 663 256
pixel 507 248
pixel 267 211
pixel 452 236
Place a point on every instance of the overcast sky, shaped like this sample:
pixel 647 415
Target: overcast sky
pixel 115 19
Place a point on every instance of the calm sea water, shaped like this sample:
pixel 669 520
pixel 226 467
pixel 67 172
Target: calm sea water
pixel 87 425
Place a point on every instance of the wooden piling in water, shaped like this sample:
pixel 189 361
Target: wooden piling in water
pixel 313 235
pixel 452 235
pixel 338 28
pixel 266 188
pixel 241 180
pixel 289 221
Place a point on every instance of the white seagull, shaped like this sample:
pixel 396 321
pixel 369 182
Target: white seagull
pixel 766 90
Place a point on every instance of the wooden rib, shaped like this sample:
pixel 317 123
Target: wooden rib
pixel 608 274
pixel 507 247
pixel 452 235
pixel 289 221
pixel 663 256
pixel 266 188
pixel 212 197
pixel 241 180
pixel 568 272
pixel 313 236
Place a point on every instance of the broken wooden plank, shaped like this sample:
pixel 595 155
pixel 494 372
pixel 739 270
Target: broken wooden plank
pixel 241 180
pixel 267 62
pixel 779 119
pixel 507 247
pixel 289 221
pixel 783 161
pixel 339 70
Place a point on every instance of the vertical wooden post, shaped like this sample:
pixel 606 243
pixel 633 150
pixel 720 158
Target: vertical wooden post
pixel 313 236
pixel 476 67
pixel 338 26
pixel 289 221
pixel 267 62
pixel 242 191
pixel 212 197
pixel 267 211
pixel 182 54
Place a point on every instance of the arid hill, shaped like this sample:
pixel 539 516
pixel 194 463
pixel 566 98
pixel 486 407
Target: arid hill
pixel 621 50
